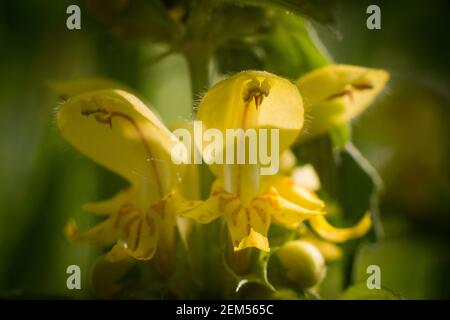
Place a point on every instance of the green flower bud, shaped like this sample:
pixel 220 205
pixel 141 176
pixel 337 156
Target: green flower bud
pixel 304 263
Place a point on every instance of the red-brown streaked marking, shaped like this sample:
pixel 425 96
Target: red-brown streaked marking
pixel 249 227
pixel 349 89
pixel 160 208
pixel 269 199
pixel 218 190
pixel 234 214
pixel 124 210
pixel 138 235
pixel 261 213
pixel 151 224
pixel 128 225
pixel 225 201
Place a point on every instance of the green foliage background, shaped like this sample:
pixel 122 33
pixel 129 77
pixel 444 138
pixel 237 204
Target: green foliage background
pixel 404 135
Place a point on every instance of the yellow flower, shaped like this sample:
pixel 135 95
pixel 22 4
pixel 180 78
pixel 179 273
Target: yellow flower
pixel 115 129
pixel 335 94
pixel 251 201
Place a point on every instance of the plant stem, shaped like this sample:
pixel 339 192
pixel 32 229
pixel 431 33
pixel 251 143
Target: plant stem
pixel 198 63
pixel 239 261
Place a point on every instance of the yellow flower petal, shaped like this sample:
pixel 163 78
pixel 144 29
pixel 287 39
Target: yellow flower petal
pixel 287 161
pixel 112 205
pixel 118 131
pixel 248 228
pixel 290 190
pixel 190 186
pixel 283 211
pixel 253 240
pixel 140 230
pixel 306 177
pixel 253 99
pixel 136 231
pixel 102 234
pixel 201 211
pixel 330 251
pixel 140 233
pixel 321 226
pixel 289 214
pixel 337 93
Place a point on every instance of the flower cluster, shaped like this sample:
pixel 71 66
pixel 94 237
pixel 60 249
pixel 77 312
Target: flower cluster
pixel 117 130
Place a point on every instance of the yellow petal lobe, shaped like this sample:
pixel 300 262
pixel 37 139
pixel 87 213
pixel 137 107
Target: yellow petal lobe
pixel 328 232
pixel 335 94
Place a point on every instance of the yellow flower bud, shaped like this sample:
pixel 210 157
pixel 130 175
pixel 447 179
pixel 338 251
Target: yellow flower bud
pixel 304 263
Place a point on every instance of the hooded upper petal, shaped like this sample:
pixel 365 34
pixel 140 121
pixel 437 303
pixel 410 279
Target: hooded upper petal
pixel 115 129
pixel 253 99
pixel 335 94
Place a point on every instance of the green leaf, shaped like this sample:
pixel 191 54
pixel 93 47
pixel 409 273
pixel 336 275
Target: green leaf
pixel 361 292
pixel 283 44
pixel 290 48
pixel 320 10
pixel 140 19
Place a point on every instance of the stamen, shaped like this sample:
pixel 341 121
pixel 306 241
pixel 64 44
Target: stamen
pixel 256 91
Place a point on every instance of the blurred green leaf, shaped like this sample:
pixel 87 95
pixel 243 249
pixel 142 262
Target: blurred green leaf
pixel 290 49
pixel 136 20
pixel 411 265
pixel 340 135
pixel 283 44
pixel 320 10
pixel 361 292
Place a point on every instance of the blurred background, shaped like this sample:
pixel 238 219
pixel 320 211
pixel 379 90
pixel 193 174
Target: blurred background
pixel 44 181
